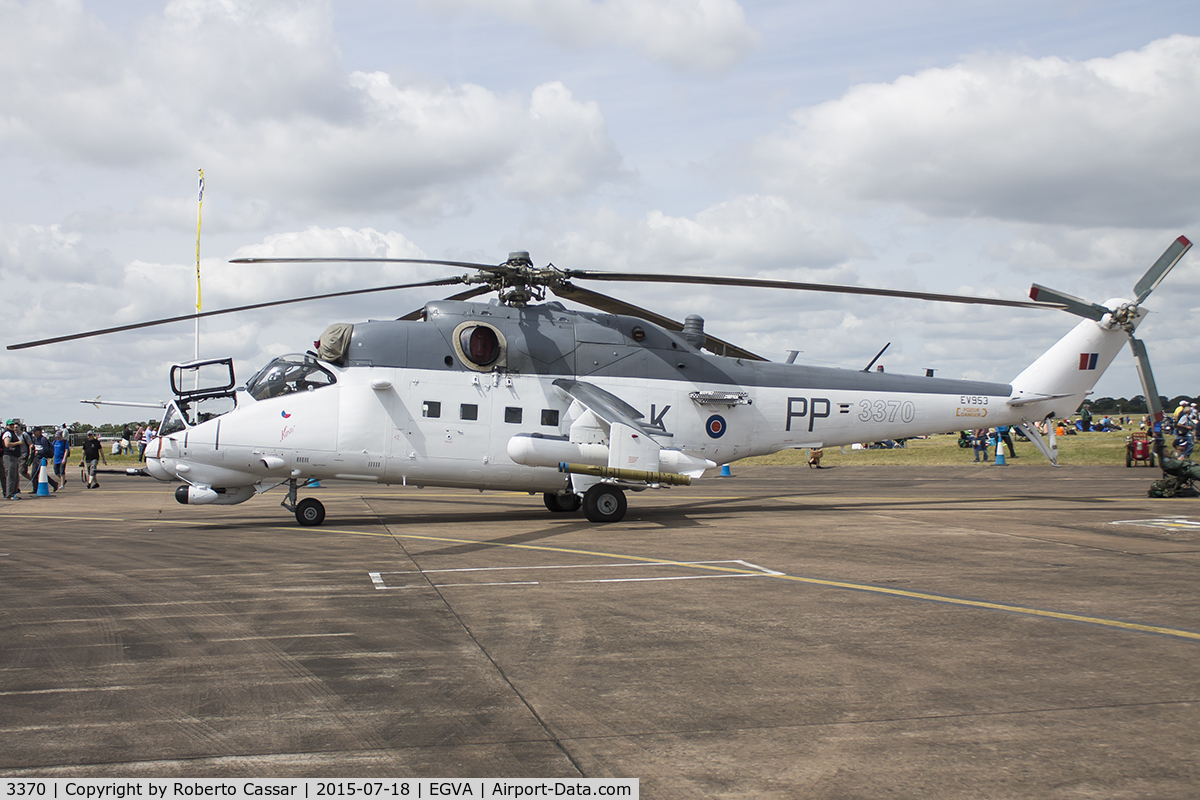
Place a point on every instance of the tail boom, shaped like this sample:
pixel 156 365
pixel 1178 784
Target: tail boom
pixel 1060 379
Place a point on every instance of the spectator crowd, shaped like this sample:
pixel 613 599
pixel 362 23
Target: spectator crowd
pixel 24 452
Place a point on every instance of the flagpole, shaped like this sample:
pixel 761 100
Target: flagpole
pixel 199 213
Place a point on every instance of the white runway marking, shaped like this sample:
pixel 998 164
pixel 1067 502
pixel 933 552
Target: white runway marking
pixel 1170 523
pixel 667 571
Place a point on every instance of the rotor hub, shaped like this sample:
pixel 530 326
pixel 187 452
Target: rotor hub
pixel 517 282
pixel 1126 317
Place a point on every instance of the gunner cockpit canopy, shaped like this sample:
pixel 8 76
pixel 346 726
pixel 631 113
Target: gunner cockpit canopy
pixel 288 374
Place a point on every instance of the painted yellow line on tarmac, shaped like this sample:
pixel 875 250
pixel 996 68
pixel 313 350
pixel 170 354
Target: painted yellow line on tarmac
pixel 858 587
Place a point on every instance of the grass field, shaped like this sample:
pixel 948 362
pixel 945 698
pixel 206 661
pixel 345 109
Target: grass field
pixel 1085 449
pixel 130 460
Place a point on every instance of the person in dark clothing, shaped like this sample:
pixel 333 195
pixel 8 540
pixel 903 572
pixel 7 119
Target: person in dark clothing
pixel 43 448
pixel 26 451
pixel 11 440
pixel 93 452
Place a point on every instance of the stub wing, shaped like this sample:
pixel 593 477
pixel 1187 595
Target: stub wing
pixel 604 404
pixel 628 444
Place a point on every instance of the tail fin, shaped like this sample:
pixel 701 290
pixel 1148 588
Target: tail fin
pixel 1059 380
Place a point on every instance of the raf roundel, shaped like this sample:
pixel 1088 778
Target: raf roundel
pixel 715 426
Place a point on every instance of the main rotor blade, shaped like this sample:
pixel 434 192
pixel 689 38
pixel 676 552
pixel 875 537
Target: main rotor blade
pixel 466 264
pixel 1156 273
pixel 252 306
pixel 1068 302
pixel 612 305
pixel 761 283
pixel 1153 404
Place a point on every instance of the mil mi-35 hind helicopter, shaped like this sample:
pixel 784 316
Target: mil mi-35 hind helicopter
pixel 521 394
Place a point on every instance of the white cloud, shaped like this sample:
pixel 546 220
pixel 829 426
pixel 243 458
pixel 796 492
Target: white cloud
pixel 343 242
pixel 65 86
pixel 707 36
pixel 1108 141
pixel 176 213
pixel 36 252
pixel 255 93
pixel 751 236
pixel 567 150
pixel 1116 257
pixel 753 232
pixel 748 234
pixel 101 293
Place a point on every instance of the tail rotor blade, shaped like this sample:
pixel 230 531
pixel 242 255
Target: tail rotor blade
pixel 1068 302
pixel 1156 273
pixel 1147 377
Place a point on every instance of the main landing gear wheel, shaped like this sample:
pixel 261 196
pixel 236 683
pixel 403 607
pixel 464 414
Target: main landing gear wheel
pixel 310 511
pixel 562 503
pixel 604 503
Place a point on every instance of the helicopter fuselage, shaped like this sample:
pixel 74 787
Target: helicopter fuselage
pixel 503 398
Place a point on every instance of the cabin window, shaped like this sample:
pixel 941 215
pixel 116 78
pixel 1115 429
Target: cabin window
pixel 287 375
pixel 468 411
pixel 512 415
pixel 550 417
pixel 431 409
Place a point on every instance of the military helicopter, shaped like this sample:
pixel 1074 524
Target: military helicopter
pixel 523 394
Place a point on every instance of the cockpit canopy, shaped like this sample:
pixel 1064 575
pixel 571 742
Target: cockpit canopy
pixel 287 374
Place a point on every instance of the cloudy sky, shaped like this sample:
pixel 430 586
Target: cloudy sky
pixel 970 147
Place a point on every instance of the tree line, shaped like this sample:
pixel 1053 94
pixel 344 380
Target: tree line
pixel 1133 405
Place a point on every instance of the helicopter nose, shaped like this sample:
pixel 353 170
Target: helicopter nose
pixel 158 470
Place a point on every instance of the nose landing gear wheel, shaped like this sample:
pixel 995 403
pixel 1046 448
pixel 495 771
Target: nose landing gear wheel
pixel 310 511
pixel 604 503
pixel 562 503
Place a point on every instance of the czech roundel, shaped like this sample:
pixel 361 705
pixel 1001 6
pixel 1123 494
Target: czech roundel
pixel 715 426
pixel 284 414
